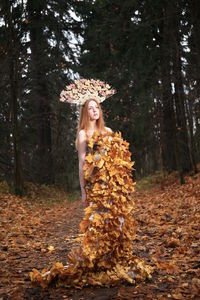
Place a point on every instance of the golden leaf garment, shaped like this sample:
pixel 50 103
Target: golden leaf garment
pixel 105 256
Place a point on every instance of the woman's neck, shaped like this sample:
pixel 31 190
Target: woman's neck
pixel 93 126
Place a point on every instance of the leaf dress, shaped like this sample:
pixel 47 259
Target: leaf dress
pixel 105 255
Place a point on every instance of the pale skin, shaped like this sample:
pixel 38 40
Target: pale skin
pixel 93 112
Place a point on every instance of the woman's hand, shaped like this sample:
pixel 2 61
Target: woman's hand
pixel 84 197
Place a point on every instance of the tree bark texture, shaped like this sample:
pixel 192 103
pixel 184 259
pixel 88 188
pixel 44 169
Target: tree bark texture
pixel 41 101
pixel 13 57
pixel 179 97
pixel 168 119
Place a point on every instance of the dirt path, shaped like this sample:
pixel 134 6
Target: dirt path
pixel 167 236
pixel 56 227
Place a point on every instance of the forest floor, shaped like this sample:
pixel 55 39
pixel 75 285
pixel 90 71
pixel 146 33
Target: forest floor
pixel 167 214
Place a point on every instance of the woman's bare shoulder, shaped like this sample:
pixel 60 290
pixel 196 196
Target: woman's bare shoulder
pixel 109 129
pixel 82 135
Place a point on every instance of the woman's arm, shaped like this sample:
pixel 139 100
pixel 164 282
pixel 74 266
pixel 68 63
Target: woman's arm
pixel 81 157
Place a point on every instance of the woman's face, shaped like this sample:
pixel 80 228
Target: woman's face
pixel 93 110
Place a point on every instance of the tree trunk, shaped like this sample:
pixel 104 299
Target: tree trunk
pixel 44 160
pixel 179 96
pixel 191 131
pixel 168 114
pixel 194 7
pixel 195 17
pixel 13 74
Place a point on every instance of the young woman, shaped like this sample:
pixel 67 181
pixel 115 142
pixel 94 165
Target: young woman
pixel 106 246
pixel 91 120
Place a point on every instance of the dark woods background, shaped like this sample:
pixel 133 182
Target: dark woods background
pixel 148 50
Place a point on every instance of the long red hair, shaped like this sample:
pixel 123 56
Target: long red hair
pixel 84 121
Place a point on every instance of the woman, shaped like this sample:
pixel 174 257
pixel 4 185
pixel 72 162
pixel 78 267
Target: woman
pixel 91 120
pixel 104 256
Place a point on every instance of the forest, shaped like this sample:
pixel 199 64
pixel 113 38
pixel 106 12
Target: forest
pixel 149 52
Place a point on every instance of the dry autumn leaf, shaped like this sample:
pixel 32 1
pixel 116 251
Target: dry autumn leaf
pixel 51 248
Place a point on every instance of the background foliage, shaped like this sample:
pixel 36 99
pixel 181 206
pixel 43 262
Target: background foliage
pixel 148 50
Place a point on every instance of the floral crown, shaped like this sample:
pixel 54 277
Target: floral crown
pixel 83 89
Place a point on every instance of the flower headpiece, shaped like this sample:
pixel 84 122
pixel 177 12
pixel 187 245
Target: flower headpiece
pixel 83 89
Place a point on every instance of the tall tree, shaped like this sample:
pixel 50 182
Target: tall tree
pixel 168 133
pixel 47 127
pixel 13 56
pixel 51 58
pixel 42 108
pixel 179 95
pixel 192 56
